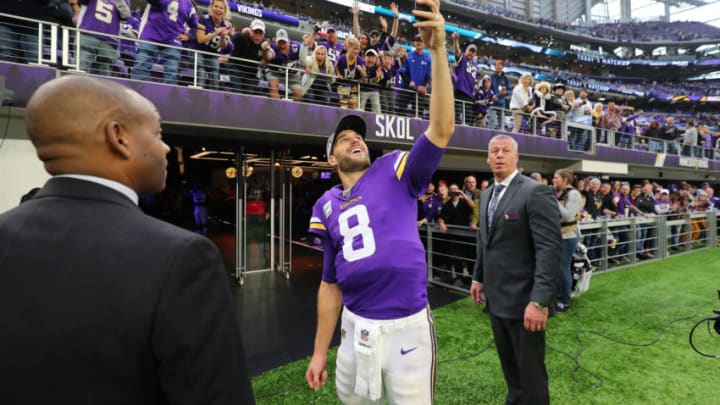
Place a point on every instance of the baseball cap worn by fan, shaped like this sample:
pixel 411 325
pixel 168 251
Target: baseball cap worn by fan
pixel 257 25
pixel 281 35
pixel 353 122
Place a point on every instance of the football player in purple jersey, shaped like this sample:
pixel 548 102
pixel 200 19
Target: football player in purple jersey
pixel 374 267
pixel 101 17
pixel 164 22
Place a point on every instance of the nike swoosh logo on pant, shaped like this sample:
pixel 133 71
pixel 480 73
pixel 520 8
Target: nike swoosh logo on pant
pixel 404 352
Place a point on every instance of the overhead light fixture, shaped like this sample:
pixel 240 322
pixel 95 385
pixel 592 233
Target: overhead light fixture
pixel 212 155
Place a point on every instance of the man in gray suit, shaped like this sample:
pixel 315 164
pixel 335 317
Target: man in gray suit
pixel 519 247
pixel 100 303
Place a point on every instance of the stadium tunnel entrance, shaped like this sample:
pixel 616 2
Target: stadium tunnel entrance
pixel 253 201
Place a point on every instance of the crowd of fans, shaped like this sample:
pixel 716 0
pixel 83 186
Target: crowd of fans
pixel 369 70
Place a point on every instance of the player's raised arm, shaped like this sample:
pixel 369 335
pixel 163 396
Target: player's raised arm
pixel 431 25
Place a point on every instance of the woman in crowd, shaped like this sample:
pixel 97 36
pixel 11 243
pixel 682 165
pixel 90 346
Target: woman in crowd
pixel 319 74
pixel 597 114
pixel 653 134
pixel 428 206
pixel 213 36
pixel 520 100
pixel 540 101
pixel 570 205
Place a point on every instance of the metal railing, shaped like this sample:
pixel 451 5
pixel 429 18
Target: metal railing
pixel 611 244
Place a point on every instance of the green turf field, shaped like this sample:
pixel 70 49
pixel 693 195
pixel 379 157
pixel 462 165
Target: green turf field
pixel 625 341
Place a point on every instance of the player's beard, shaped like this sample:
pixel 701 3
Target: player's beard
pixel 350 165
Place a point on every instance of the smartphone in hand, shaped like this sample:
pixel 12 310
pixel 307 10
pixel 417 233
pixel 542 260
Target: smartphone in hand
pixel 422 7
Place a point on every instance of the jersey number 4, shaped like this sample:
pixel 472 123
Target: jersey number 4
pixel 360 229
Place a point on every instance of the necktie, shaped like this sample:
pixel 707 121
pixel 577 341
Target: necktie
pixel 497 190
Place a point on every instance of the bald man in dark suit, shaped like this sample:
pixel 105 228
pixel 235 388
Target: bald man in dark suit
pixel 100 303
pixel 519 249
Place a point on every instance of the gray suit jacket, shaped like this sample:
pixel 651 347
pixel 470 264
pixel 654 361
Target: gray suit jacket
pixel 102 304
pixel 518 259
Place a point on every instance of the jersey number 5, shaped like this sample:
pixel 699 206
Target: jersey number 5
pixel 360 229
pixel 104 12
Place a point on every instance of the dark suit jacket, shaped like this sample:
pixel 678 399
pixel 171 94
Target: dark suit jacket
pixel 519 258
pixel 102 304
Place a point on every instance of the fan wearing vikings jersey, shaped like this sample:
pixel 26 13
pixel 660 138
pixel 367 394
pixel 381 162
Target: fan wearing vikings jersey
pixel 213 36
pixel 334 48
pixel 284 52
pixel 164 22
pixel 374 267
pixel 101 17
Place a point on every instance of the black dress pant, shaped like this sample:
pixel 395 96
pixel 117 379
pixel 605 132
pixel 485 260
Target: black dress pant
pixel 522 356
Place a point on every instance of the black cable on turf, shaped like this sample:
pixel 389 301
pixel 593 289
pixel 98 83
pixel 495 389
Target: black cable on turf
pixel 576 357
pixel 470 356
pixel 291 388
pixel 578 366
pixel 708 321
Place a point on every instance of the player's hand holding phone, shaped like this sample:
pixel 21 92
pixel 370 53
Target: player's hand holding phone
pixel 430 23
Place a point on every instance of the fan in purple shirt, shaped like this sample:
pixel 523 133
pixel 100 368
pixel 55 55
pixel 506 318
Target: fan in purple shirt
pixel 164 22
pixel 374 262
pixel 387 82
pixel 129 30
pixel 464 78
pixel 285 53
pixel 484 97
pixel 100 17
pixel 334 48
pixel 213 36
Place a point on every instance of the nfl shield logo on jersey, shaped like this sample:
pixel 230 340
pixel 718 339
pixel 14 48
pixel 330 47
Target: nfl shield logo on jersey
pixel 364 334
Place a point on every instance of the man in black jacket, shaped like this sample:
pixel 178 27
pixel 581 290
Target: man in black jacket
pixel 99 302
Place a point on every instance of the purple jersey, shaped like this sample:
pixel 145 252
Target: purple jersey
pixel 207 24
pixel 380 264
pixel 349 72
pixel 464 75
pixel 333 52
pixel 388 78
pixel 165 20
pixel 290 59
pixel 483 99
pixel 129 29
pixel 100 16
